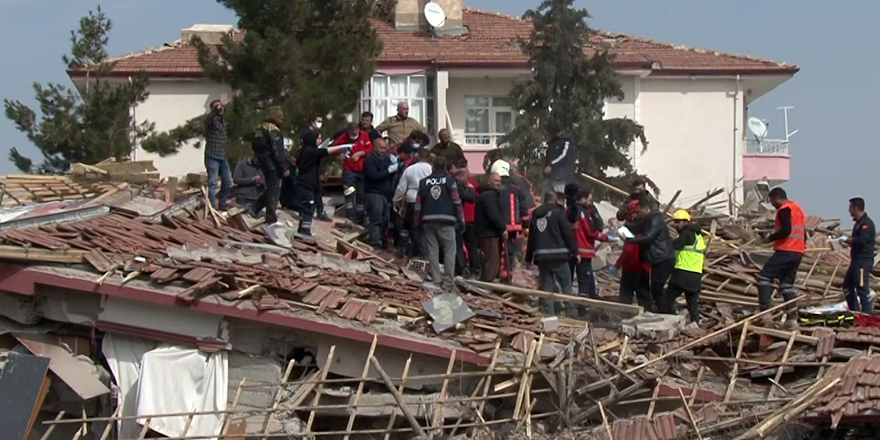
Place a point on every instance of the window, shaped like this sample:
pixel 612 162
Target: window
pixel 383 92
pixel 487 119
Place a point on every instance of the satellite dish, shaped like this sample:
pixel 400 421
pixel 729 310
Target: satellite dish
pixel 435 15
pixel 757 127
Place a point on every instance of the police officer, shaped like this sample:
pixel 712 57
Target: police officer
pixel 687 277
pixel 439 211
pixel 855 285
pixel 551 246
pixel 268 146
pixel 789 240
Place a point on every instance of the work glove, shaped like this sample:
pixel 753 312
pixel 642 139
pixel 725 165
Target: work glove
pixel 393 167
pixel 393 158
pixel 613 238
pixel 612 270
pixel 841 239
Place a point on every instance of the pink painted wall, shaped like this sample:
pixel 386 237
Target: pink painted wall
pixel 769 166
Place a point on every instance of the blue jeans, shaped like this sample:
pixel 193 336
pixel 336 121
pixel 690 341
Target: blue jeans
pixel 550 275
pixel 214 167
pixel 377 210
pixel 856 286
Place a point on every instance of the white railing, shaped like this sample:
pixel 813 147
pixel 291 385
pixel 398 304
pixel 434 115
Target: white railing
pixel 482 140
pixel 767 146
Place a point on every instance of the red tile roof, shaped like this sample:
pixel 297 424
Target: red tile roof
pixel 490 41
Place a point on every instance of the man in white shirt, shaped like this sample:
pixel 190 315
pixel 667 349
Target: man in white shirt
pixel 405 199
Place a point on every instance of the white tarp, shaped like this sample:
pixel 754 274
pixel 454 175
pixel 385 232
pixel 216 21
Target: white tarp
pixel 168 379
pixel 180 380
pixel 124 355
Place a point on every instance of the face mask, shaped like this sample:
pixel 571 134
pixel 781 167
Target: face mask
pixel 318 125
pixel 417 146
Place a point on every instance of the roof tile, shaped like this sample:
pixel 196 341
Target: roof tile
pixel 491 39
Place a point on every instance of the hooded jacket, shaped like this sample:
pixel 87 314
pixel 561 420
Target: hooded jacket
pixel 488 220
pixel 561 159
pixel 550 236
pixel 268 145
pixel 582 223
pixel 655 241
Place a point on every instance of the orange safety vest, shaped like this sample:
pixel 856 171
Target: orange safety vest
pixel 797 239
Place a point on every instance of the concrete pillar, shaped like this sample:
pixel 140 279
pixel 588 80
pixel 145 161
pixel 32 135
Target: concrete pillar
pixel 441 85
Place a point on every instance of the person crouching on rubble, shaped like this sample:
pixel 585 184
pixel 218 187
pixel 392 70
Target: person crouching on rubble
pixel 551 244
pixel 635 272
pixel 690 253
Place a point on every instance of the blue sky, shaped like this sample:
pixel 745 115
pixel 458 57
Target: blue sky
pixel 835 47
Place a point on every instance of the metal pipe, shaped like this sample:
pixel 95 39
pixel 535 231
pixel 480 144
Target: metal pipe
pixel 735 130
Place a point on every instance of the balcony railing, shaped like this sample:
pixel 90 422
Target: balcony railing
pixel 482 140
pixel 767 146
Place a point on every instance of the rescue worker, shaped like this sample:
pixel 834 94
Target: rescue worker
pixel 405 195
pixel 635 280
pixel 551 244
pixel 268 147
pixel 469 237
pixel 353 171
pixel 687 277
pixel 512 211
pixel 656 247
pixel 490 228
pixel 560 161
pixel 309 176
pixel 789 240
pixel 861 242
pixel 316 121
pixel 379 169
pixel 439 212
pixel 586 236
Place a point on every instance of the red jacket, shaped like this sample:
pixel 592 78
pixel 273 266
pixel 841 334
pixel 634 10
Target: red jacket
pixel 471 207
pixel 583 232
pixel 630 259
pixel 361 144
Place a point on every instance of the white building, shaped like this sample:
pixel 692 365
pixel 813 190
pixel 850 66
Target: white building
pixel 693 103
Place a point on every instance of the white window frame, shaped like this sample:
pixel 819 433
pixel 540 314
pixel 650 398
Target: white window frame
pixel 487 140
pixel 370 103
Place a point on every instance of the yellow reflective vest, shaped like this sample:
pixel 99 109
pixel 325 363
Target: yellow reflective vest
pixel 691 258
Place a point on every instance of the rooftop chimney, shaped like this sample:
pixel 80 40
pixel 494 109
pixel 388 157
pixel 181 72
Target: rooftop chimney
pixel 211 34
pixel 409 15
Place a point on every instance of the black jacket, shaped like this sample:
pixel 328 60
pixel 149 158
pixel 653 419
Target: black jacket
pixel 268 145
pixel 863 235
pixel 526 188
pixel 438 200
pixel 550 236
pixel 512 203
pixel 655 241
pixel 488 222
pixel 561 159
pixel 308 163
pixel 377 179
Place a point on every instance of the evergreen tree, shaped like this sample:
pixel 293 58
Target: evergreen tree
pixel 308 56
pixel 571 79
pixel 86 126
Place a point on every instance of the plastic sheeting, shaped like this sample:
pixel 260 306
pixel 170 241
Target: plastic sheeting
pixel 180 380
pixel 168 379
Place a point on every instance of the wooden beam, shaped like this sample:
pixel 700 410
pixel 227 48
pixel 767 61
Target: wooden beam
pixel 49 256
pixel 781 334
pixel 413 423
pixel 595 303
pixel 606 185
pixel 671 201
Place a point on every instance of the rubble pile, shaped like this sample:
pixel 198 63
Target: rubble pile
pixel 372 349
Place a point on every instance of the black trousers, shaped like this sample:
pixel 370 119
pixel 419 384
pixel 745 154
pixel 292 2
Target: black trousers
pixel 269 198
pixel 636 285
pixel 693 301
pixel 474 256
pixel 307 209
pixel 660 273
pixel 782 266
